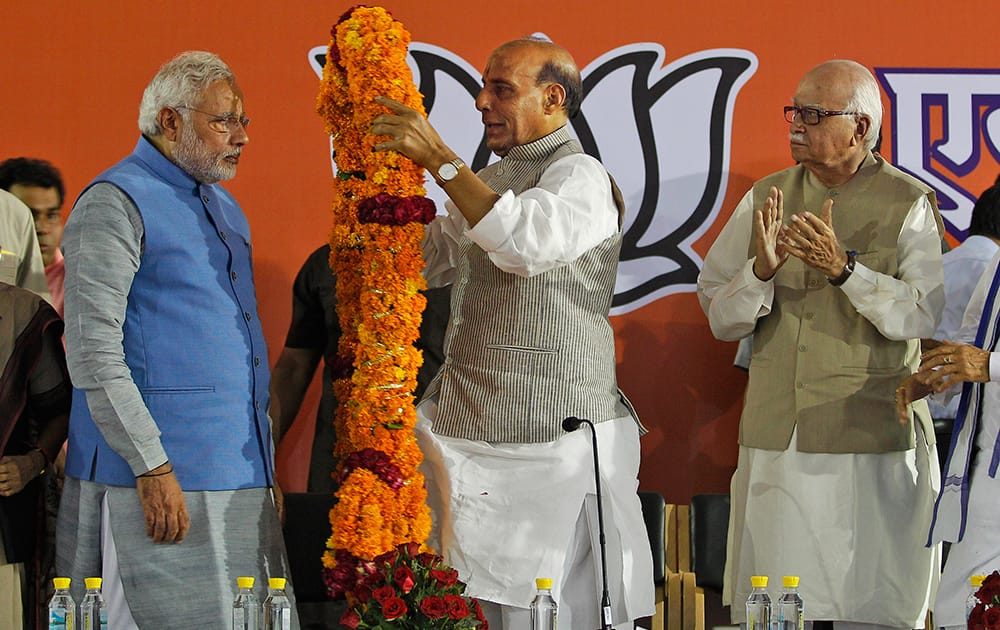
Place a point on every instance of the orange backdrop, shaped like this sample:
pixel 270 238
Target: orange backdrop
pixel 73 73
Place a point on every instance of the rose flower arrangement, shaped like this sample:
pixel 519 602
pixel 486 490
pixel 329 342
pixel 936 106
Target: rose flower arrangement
pixel 412 590
pixel 986 614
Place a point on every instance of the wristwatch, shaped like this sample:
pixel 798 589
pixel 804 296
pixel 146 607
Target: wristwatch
pixel 852 257
pixel 448 171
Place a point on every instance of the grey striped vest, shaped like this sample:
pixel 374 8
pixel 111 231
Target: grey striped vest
pixel 522 354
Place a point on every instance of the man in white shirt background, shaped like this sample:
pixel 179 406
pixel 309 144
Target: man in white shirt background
pixel 963 267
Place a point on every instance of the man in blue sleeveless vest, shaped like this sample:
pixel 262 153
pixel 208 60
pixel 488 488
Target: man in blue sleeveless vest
pixel 530 247
pixel 170 459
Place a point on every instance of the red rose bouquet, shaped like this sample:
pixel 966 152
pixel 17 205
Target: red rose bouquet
pixel 406 589
pixel 986 614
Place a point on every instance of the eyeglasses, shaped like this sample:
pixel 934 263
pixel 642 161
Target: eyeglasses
pixel 229 123
pixel 811 115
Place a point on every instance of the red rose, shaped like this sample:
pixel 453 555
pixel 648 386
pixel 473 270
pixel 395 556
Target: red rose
pixel 977 613
pixel 992 617
pixel 429 559
pixel 458 608
pixel 384 593
pixel 434 607
pixel 404 578
pixel 363 593
pixel 990 588
pixel 483 624
pixel 372 581
pixel 388 557
pixel 444 577
pixel 975 621
pixel 411 548
pixel 350 619
pixel 393 608
pixel 392 210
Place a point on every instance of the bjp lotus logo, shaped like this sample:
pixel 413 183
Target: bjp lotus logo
pixel 663 130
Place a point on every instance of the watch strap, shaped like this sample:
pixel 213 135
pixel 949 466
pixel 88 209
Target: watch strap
pixel 852 257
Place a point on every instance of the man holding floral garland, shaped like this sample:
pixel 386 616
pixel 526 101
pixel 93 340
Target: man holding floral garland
pixel 530 246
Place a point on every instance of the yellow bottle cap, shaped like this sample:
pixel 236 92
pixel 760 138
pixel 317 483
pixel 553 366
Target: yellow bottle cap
pixel 977 580
pixel 61 582
pixel 545 583
pixel 758 581
pixel 92 582
pixel 244 582
pixel 790 581
pixel 276 583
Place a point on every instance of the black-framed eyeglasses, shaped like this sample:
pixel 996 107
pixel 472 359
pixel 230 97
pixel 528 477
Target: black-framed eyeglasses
pixel 811 115
pixel 228 123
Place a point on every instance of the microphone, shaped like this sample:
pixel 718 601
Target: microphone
pixel 570 424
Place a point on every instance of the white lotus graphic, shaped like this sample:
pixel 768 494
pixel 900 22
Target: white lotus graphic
pixel 662 130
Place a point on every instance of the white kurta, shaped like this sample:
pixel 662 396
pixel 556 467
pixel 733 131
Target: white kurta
pixel 853 526
pixel 978 553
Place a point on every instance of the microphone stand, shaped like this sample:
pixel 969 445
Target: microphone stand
pixel 572 423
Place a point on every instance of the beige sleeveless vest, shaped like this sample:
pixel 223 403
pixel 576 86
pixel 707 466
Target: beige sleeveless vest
pixel 817 363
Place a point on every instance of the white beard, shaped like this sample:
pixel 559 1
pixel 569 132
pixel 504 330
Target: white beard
pixel 191 155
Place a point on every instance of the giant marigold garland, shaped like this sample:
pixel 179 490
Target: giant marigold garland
pixel 378 216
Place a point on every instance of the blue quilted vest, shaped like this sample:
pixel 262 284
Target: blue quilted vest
pixel 192 336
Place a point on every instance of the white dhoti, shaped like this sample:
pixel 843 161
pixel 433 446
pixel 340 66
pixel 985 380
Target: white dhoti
pixel 853 527
pixel 505 514
pixel 978 553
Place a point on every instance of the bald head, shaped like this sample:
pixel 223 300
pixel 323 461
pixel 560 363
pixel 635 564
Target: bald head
pixel 857 89
pixel 554 65
pixel 530 88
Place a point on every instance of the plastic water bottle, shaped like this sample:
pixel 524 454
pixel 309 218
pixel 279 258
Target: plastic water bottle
pixel 62 608
pixel 246 608
pixel 790 610
pixel 277 609
pixel 759 604
pixel 975 581
pixel 93 610
pixel 543 607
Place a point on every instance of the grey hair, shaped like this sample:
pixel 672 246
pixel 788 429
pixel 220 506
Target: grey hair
pixel 180 81
pixel 866 99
